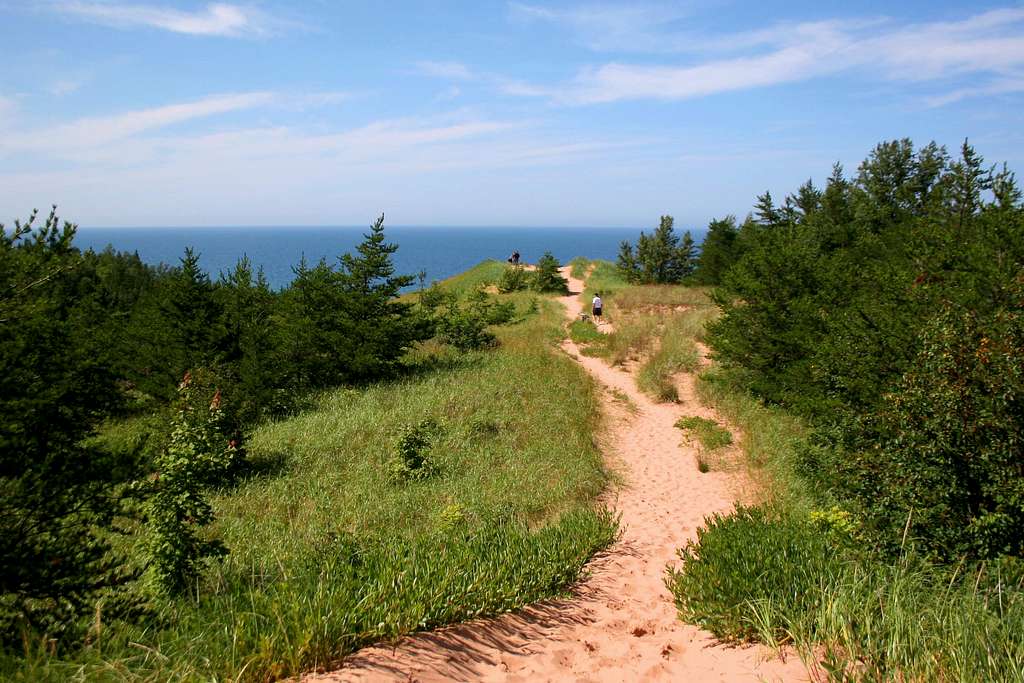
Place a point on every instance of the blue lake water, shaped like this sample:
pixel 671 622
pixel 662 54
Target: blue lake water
pixel 440 251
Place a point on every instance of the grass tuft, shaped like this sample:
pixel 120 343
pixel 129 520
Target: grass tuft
pixel 709 433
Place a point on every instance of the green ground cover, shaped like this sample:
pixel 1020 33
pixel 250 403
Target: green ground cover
pixel 329 550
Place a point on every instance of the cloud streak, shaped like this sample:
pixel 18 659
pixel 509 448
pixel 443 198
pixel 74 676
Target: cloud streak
pixel 216 19
pixel 455 71
pixel 987 46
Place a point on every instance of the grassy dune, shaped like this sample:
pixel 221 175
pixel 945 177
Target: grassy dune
pixel 330 551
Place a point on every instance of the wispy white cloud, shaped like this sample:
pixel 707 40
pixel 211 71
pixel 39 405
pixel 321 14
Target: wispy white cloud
pixel 452 92
pixel 988 46
pixel 248 169
pixel 456 71
pixel 65 86
pixel 1003 87
pixel 216 19
pixel 634 27
pixel 101 130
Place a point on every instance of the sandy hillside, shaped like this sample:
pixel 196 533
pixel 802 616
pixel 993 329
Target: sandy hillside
pixel 620 624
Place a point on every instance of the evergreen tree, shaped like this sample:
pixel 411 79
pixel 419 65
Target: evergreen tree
pixel 346 325
pixel 191 314
pixel 718 252
pixel 58 495
pixel 765 211
pixel 251 367
pixel 547 277
pixel 660 257
pixel 627 264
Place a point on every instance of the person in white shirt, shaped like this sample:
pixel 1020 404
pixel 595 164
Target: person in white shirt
pixel 596 310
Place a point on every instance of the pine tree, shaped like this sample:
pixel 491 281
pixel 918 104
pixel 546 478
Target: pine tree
pixel 346 325
pixel 627 264
pixel 548 278
pixel 660 257
pixel 58 494
pixel 191 319
pixel 718 252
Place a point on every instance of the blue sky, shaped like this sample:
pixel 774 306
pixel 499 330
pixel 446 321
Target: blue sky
pixel 480 113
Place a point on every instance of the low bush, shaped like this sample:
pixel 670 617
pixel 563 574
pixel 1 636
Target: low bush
pixel 501 312
pixel 515 279
pixel 411 460
pixel 198 456
pixel 465 329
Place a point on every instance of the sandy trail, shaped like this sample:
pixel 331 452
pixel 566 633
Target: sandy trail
pixel 620 624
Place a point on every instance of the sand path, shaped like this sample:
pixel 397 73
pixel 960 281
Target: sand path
pixel 620 624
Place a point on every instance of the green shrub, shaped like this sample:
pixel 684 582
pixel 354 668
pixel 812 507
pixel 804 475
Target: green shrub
pixel 942 459
pixel 411 460
pixel 198 455
pixel 515 279
pixel 501 312
pixel 751 556
pixel 465 329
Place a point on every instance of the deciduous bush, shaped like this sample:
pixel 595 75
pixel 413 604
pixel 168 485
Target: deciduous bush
pixel 198 456
pixel 411 460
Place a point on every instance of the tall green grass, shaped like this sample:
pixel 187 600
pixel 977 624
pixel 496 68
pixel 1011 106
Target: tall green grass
pixel 330 552
pixel 676 351
pixel 765 574
pixel 604 278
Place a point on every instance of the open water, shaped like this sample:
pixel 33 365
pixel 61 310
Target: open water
pixel 440 251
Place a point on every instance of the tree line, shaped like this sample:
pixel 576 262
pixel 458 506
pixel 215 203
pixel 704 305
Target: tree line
pixel 886 308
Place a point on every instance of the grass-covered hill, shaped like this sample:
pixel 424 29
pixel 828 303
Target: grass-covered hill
pixel 465 487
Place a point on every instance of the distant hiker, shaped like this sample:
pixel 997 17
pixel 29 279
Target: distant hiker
pixel 514 258
pixel 597 305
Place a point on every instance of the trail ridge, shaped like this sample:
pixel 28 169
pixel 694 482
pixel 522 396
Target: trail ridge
pixel 620 623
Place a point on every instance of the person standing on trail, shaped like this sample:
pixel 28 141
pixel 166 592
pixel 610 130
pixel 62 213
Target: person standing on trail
pixel 596 310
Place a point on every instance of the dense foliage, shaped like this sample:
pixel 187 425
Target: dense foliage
pixel 547 277
pixel 658 258
pixel 886 308
pixel 58 495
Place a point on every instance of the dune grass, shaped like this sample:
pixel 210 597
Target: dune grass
pixel 676 351
pixel 329 551
pixel 604 278
pixel 484 273
pixel 708 433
